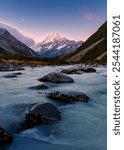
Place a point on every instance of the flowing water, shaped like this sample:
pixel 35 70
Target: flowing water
pixel 83 125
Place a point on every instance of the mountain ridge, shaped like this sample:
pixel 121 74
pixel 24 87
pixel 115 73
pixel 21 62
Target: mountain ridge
pixel 10 45
pixel 18 35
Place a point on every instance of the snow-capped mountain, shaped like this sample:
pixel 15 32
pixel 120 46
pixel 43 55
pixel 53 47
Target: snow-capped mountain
pixel 52 38
pixel 54 45
pixel 18 35
pixel 10 45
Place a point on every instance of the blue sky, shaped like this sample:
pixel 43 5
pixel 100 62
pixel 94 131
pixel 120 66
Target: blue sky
pixel 74 19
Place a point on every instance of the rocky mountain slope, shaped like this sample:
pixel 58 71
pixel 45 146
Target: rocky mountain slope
pixel 54 45
pixel 10 45
pixel 93 50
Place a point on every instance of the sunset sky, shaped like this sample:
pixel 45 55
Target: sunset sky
pixel 73 19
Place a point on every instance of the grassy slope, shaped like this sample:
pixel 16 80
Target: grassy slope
pixel 20 59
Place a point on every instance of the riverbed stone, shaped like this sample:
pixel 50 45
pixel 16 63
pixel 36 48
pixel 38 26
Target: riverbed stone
pixel 10 67
pixel 39 114
pixel 78 70
pixel 13 75
pixel 68 96
pixel 5 137
pixel 56 77
pixel 40 87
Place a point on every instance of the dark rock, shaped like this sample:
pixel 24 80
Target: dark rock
pixel 13 75
pixel 68 96
pixel 39 87
pixel 18 73
pixel 10 67
pixel 39 114
pixel 47 111
pixel 70 71
pixel 56 78
pixel 5 138
pixel 89 69
pixel 78 70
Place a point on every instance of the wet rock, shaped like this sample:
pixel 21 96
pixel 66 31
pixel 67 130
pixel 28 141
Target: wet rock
pixel 56 78
pixel 10 67
pixel 71 71
pixel 39 87
pixel 68 96
pixel 39 114
pixel 89 69
pixel 13 75
pixel 78 70
pixel 18 73
pixel 5 138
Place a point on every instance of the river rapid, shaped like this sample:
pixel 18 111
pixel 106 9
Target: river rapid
pixel 83 125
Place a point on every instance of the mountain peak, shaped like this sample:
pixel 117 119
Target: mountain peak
pixel 52 37
pixel 55 34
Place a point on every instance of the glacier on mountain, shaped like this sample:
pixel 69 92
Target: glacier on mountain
pixel 54 45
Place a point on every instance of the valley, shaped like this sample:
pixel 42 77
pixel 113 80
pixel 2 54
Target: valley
pixel 53 94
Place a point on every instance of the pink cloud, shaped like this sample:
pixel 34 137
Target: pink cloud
pixel 88 14
pixel 91 17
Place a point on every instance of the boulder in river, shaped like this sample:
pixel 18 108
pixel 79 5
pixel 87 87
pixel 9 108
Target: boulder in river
pixel 89 69
pixel 10 67
pixel 5 138
pixel 39 87
pixel 39 114
pixel 78 70
pixel 56 78
pixel 13 75
pixel 68 96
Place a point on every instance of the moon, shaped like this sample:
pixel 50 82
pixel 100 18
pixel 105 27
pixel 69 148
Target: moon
pixel 22 20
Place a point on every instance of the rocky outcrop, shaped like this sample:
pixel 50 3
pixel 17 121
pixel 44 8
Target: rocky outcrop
pixel 5 137
pixel 56 78
pixel 39 114
pixel 68 96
